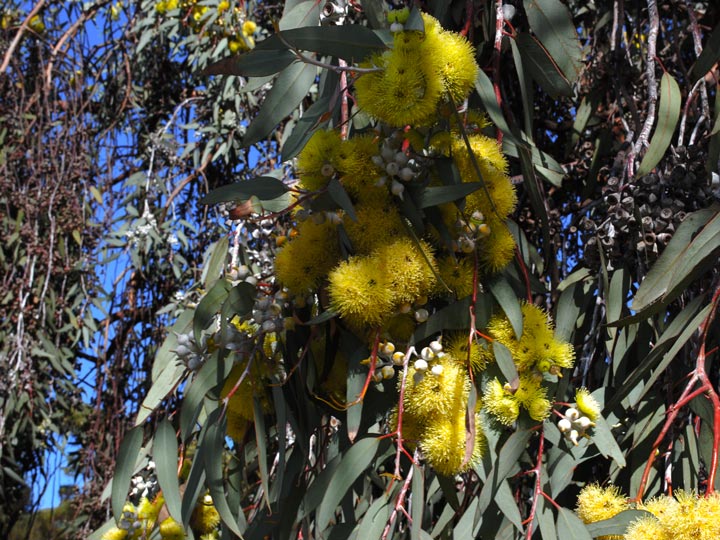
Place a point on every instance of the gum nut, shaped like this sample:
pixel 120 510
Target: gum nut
pixel 397 188
pixel 584 423
pixel 508 12
pixel 377 376
pixel 262 303
pixel 392 168
pixel 574 436
pixel 405 308
pixel 387 152
pixel 572 414
pixel 182 350
pixel 388 348
pixel 420 364
pixel 252 280
pixel 483 230
pixel 268 326
pixel 396 27
pixel 564 425
pixel 388 372
pixel 378 161
pixel 398 358
pixel 183 339
pixel 436 346
pixel 421 315
pixel 406 174
pixel 194 362
pixel 437 369
pixel 327 170
pixel 243 271
pixel 427 353
pixel 401 158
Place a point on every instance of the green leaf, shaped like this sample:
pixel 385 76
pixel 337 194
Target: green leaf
pixel 208 307
pixel 607 445
pixel 616 525
pixel 194 394
pixel 433 196
pixel 508 300
pixel 353 42
pixel 449 489
pixel 124 469
pixel 289 89
pixel 656 283
pixel 323 317
pixel 668 114
pixel 340 196
pixel 262 187
pixel 213 469
pixel 261 442
pixel 678 331
pixel 165 383
pixel 240 301
pixel 414 21
pixel 542 67
pixel 551 22
pixel 484 88
pixel 505 361
pixel 255 63
pixel 355 461
pixel 315 117
pixel 417 501
pixel 708 57
pixel 699 255
pixel 165 455
pixel 570 526
pixel 299 14
pixel 215 266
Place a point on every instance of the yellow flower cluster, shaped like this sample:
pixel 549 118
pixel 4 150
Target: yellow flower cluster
pixel 435 407
pixel 422 70
pixel 537 349
pixel 681 517
pixel 239 31
pixel 136 521
pixel 535 352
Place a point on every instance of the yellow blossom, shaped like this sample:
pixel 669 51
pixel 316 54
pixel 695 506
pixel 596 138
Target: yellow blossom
pixel 587 404
pixel 360 291
pixel 596 503
pixel 205 517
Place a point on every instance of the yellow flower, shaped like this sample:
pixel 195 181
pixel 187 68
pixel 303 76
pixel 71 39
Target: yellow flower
pixel 456 59
pixel 354 163
pixel 457 273
pixel 456 346
pixel 410 268
pixel 360 291
pixel 115 534
pixel 377 224
pixel 248 28
pixel 587 404
pixel 500 404
pixel 444 440
pixel 205 517
pixel 36 24
pixel 305 260
pixel 645 528
pixel 437 395
pixel 171 530
pixel 498 248
pixel 316 162
pixel 406 91
pixel 596 503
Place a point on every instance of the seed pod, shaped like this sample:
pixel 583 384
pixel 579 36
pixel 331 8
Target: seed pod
pixel 666 214
pixel 664 238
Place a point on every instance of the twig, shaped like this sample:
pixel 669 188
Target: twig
pixel 699 375
pixel 400 501
pixel 697 43
pixel 499 24
pixel 16 40
pixel 538 486
pixel 652 85
pixel 700 83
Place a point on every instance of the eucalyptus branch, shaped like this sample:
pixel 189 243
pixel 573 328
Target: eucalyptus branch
pixel 642 139
pixel 18 35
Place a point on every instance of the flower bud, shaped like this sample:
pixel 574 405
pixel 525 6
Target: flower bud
pixel 421 315
pixel 564 425
pixel 398 358
pixel 572 414
pixel 420 365
pixel 437 369
pixel 388 372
